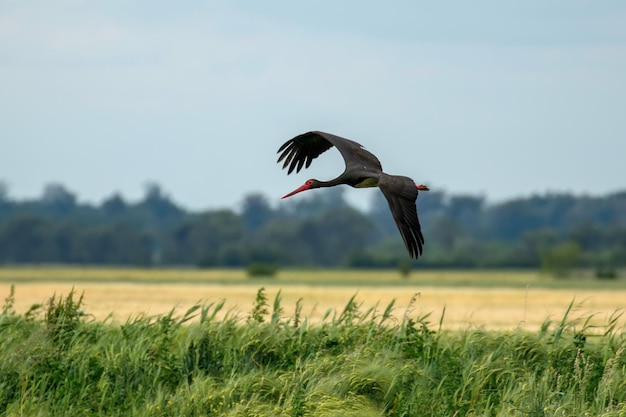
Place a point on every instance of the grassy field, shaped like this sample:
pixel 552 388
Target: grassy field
pixel 482 278
pixel 487 299
pixel 58 360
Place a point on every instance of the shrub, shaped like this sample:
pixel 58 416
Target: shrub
pixel 606 273
pixel 561 259
pixel 404 267
pixel 259 269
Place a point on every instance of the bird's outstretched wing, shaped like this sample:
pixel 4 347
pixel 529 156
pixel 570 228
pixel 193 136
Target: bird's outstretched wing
pixel 401 194
pixel 302 149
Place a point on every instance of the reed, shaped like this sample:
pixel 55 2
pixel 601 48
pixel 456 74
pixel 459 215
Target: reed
pixel 57 359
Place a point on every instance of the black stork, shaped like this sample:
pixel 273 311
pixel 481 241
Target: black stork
pixel 363 169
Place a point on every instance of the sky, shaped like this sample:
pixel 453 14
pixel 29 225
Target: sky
pixel 501 99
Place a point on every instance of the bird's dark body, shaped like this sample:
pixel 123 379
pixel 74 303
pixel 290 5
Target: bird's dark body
pixel 362 169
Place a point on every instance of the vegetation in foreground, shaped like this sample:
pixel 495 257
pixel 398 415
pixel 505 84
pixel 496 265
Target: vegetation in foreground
pixel 55 360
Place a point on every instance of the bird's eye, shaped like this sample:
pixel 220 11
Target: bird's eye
pixel 309 182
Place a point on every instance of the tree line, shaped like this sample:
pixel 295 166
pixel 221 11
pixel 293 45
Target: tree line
pixel 319 229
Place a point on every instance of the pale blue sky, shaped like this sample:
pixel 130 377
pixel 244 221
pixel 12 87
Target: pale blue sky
pixel 500 98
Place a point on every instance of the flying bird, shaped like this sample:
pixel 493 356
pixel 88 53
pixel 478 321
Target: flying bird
pixel 362 170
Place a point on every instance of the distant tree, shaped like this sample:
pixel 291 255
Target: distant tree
pixel 602 212
pixel 57 199
pixel 509 220
pixel 160 206
pixel 539 241
pixel 4 192
pixel 316 227
pixel 432 203
pixel 256 211
pixel 561 259
pixel 617 202
pixel 114 205
pixel 615 237
pixel 66 243
pixel 618 257
pixel 232 255
pixel 279 241
pixel 463 205
pixel 467 210
pixel 553 208
pixel 192 241
pixel 500 255
pixel 316 202
pixel 26 239
pixel 114 245
pixel 332 198
pixel 445 232
pixel 6 205
pixel 336 235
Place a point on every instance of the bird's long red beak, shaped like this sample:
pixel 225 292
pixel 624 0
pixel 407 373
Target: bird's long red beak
pixel 297 190
pixel 422 187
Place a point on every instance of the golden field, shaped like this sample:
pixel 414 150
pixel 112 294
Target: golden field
pixel 493 299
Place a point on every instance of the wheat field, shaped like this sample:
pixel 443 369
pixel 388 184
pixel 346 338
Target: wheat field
pixel 469 299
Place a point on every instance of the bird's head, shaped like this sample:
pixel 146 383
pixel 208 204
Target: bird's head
pixel 422 187
pixel 309 184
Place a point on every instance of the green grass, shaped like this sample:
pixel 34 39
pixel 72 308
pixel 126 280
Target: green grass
pixel 56 360
pixel 443 278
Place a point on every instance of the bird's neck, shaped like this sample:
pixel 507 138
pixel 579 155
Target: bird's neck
pixel 353 181
pixel 331 183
